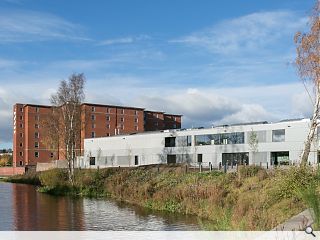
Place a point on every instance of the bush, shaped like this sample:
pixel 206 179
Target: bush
pixel 55 178
pixel 289 182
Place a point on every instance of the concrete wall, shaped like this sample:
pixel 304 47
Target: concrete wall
pixel 10 171
pixel 51 165
pixel 150 148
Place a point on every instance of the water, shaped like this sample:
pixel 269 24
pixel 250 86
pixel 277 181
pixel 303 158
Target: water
pixel 23 208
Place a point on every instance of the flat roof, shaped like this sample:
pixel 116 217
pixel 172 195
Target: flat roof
pixel 36 105
pixel 109 105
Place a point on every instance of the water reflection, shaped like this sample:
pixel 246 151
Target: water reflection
pixel 23 208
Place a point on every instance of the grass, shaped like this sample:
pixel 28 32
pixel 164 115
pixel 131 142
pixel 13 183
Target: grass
pixel 251 199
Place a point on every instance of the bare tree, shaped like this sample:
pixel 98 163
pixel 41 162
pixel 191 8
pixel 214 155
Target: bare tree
pixel 64 122
pixel 308 65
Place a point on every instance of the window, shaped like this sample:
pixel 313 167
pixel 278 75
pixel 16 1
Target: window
pixel 278 135
pixel 136 160
pixel 199 158
pixel 108 110
pixel 20 154
pixel 21 109
pixel 170 142
pixel 121 111
pixel 183 141
pixel 21 163
pixel 36 118
pixel 220 139
pixel 175 118
pixel 136 120
pixel 136 128
pixel 21 117
pixel 21 144
pixel 51 154
pixel 171 158
pixel 189 141
pixel 93 109
pixel 108 126
pixel 108 118
pixel 136 112
pixel 21 135
pixel 93 125
pixel 232 159
pixel 121 126
pixel 36 135
pixel 37 109
pixel 36 126
pixel 93 117
pixel 122 119
pixel 36 144
pixel 21 125
pixel 92 161
pixel 93 134
pixel 108 134
pixel 36 154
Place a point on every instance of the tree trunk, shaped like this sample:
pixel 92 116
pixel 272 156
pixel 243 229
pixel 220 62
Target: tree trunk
pixel 313 127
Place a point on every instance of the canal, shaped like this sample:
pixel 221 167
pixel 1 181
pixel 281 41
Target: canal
pixel 23 208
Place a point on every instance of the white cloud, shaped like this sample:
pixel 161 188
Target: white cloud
pixel 25 26
pixel 247 33
pixel 124 40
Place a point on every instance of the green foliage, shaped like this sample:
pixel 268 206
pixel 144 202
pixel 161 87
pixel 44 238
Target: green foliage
pixel 248 171
pixel 54 178
pixel 311 196
pixel 27 178
pixel 287 183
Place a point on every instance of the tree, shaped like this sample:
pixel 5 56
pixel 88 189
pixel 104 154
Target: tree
pixel 308 65
pixel 253 141
pixel 63 125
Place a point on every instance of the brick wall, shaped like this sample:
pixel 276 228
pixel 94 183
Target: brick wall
pixel 10 171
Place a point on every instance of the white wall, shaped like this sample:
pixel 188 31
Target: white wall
pixel 149 146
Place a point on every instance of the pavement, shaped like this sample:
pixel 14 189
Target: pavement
pixel 298 222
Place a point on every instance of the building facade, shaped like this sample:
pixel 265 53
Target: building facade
pixel 261 143
pixel 97 121
pixel 155 121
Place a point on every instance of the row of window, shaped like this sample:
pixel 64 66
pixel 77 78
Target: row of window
pixel 36 144
pixel 35 126
pixel 92 160
pixel 121 127
pixel 108 110
pixel 36 154
pixel 221 139
pixel 93 117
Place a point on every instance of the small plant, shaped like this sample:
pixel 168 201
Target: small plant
pixel 311 197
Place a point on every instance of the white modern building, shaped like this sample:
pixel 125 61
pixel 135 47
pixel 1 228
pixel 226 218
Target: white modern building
pixel 261 143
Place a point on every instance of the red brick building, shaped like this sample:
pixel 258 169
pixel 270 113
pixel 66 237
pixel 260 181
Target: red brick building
pixel 98 121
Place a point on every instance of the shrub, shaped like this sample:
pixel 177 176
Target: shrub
pixel 54 178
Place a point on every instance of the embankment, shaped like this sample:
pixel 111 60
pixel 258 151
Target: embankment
pixel 251 199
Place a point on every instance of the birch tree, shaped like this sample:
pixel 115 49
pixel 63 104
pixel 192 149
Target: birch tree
pixel 308 65
pixel 65 125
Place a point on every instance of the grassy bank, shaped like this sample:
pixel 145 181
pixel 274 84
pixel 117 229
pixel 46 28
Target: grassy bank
pixel 252 199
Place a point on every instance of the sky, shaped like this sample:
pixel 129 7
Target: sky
pixel 215 62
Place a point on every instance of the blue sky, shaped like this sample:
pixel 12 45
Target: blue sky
pixel 212 61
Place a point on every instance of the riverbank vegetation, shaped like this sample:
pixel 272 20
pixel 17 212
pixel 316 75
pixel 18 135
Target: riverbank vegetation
pixel 250 199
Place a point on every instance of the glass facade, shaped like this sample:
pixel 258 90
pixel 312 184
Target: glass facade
pixel 220 139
